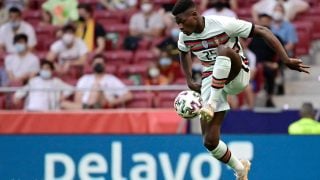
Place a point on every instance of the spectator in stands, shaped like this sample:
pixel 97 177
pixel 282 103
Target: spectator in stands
pixel 219 7
pixel 292 8
pixel 145 24
pixel 4 15
pixel 16 26
pixel 307 125
pixel 169 45
pixel 284 29
pixel 69 50
pixel 91 32
pixel 118 5
pixel 168 67
pixel 99 89
pixel 46 93
pixel 23 64
pixel 207 4
pixel 21 4
pixel 267 57
pixel 46 19
pixel 62 11
pixel 155 77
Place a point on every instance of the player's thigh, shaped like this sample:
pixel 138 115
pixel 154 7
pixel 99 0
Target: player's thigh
pixel 236 61
pixel 239 83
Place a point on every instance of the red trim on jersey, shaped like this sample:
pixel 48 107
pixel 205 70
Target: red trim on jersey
pixel 212 42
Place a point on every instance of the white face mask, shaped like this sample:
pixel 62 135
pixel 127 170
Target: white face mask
pixel 146 7
pixel 67 38
pixel 45 74
pixel 175 33
pixel 165 61
pixel 20 48
pixel 278 16
pixel 154 72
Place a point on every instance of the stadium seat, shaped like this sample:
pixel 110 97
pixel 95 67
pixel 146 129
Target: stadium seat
pixel 141 100
pixel 304 32
pixel 108 17
pixel 2 102
pixel 316 24
pixel 134 69
pixel 144 56
pixel 165 99
pixel 119 57
pixel 35 4
pixel 122 29
pixel 180 80
pixel 31 16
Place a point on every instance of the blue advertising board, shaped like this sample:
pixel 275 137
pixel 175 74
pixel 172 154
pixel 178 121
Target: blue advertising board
pixel 178 157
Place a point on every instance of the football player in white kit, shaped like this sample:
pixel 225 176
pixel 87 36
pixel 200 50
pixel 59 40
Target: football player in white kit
pixel 215 41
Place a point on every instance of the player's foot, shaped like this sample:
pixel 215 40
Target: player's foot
pixel 206 112
pixel 244 174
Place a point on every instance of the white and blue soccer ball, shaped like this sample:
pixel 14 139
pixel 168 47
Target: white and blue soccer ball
pixel 187 104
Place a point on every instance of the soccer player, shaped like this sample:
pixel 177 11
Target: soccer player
pixel 215 41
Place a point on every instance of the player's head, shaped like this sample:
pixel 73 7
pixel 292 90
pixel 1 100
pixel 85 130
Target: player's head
pixel 186 16
pixel 307 110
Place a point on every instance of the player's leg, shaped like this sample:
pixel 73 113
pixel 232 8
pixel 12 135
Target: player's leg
pixel 218 149
pixel 226 68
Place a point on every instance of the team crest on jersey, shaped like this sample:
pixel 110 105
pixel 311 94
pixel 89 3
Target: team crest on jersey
pixel 205 44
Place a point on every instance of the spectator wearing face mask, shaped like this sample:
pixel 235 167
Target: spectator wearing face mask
pixel 16 26
pixel 292 8
pixel 91 32
pixel 284 29
pixel 220 8
pixel 168 68
pixel 155 77
pixel 146 23
pixel 44 92
pixel 169 45
pixel 21 65
pixel 69 50
pixel 99 89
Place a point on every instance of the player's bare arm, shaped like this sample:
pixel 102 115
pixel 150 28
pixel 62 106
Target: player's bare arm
pixel 292 63
pixel 186 62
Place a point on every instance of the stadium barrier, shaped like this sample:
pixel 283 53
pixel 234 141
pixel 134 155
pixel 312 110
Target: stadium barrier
pixel 180 157
pixel 139 121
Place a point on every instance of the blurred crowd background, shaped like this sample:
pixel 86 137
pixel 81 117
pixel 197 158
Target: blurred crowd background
pixel 95 54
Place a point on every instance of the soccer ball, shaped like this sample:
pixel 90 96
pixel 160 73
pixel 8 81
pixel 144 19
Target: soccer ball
pixel 187 104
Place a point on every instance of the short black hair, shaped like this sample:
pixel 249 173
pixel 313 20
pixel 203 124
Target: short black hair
pixel 15 10
pixel 264 15
pixel 86 7
pixel 46 62
pixel 68 27
pixel 19 37
pixel 181 6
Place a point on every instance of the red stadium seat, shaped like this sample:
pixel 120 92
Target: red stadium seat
pixel 134 69
pixel 165 99
pixel 141 100
pixel 122 29
pixel 2 102
pixel 108 17
pixel 119 57
pixel 304 31
pixel 144 56
pixel 32 16
pixel 316 24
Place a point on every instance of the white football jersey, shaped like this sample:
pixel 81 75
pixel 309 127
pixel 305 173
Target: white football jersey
pixel 218 30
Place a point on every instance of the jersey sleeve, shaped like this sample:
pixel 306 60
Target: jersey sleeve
pixel 181 45
pixel 236 27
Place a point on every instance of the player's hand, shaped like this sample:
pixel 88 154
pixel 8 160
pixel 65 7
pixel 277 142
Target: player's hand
pixel 296 64
pixel 194 86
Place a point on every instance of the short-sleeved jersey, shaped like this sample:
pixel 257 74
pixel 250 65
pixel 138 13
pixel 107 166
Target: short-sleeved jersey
pixel 218 30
